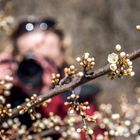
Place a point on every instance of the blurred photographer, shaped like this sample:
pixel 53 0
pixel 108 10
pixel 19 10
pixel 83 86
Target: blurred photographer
pixel 32 71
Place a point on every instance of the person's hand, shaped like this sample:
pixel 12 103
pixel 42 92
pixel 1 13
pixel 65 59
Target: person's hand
pixel 7 66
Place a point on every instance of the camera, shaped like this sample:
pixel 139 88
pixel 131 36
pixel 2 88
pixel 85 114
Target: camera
pixel 30 72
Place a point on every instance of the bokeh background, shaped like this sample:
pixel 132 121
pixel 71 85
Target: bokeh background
pixel 94 26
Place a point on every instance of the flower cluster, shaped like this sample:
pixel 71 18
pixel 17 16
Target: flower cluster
pixel 80 108
pixel 46 102
pixel 70 72
pixel 7 21
pixel 54 124
pixel 53 121
pixel 6 85
pixel 86 62
pixel 29 103
pixel 120 64
pixel 55 79
pixel 124 123
pixel 42 128
pixel 6 24
pixel 5 110
pixel 12 128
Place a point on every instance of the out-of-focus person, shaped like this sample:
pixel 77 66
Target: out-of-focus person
pixel 32 72
pixel 43 44
pixel 27 39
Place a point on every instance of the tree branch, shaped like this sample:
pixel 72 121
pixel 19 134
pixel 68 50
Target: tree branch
pixel 73 84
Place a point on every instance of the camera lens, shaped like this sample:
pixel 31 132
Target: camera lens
pixel 30 73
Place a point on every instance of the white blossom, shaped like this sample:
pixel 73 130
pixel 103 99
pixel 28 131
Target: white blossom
pixel 113 58
pixel 118 47
pixel 113 67
pixel 122 54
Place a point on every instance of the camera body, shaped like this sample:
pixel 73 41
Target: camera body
pixel 34 72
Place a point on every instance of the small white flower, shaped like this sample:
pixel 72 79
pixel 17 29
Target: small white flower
pixel 80 73
pixel 93 63
pixel 138 27
pixel 86 55
pixel 113 67
pixel 75 135
pixel 89 59
pixel 100 137
pixel 72 67
pixel 71 111
pixel 78 59
pixel 112 58
pixel 132 73
pixel 90 131
pixel 2 99
pixel 78 130
pixel 130 63
pixel 127 122
pixel 122 54
pixel 118 47
pixel 115 116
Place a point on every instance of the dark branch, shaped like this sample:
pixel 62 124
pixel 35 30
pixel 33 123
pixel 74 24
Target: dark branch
pixel 74 83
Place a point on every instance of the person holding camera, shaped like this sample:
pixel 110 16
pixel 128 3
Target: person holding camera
pixel 39 50
pixel 32 72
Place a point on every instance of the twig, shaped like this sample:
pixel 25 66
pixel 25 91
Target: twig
pixel 74 83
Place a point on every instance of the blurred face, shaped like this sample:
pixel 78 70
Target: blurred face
pixel 52 48
pixel 30 42
pixel 42 44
